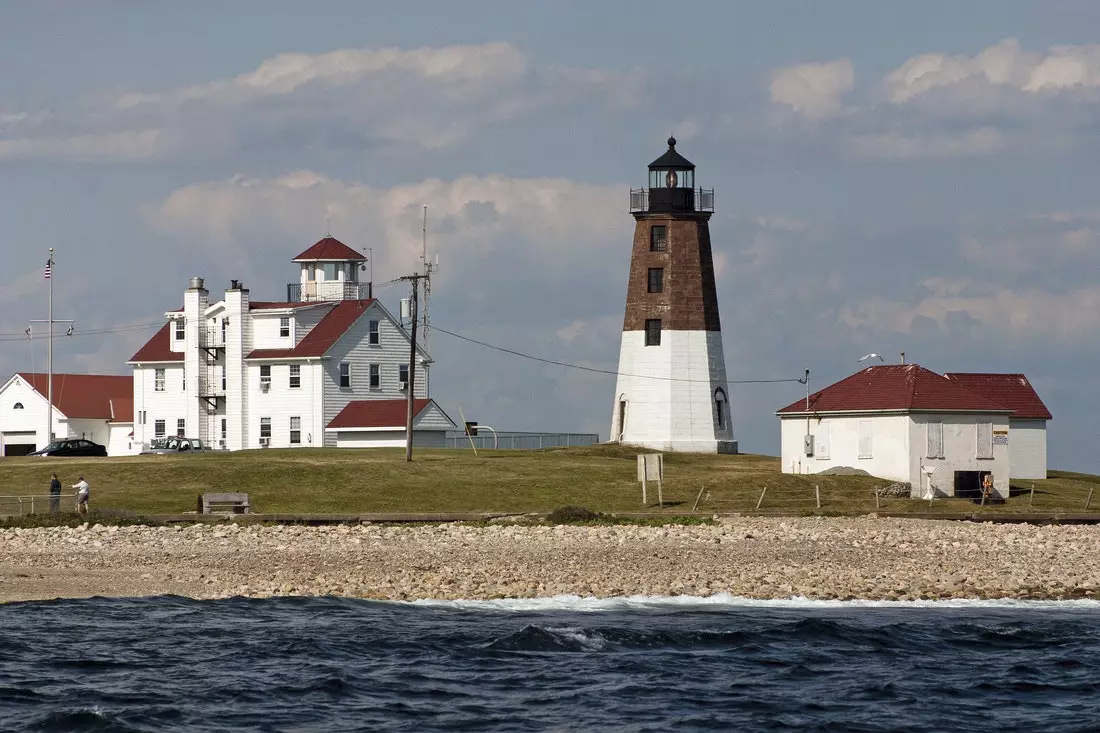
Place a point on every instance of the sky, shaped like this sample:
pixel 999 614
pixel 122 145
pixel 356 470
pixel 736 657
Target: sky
pixel 889 177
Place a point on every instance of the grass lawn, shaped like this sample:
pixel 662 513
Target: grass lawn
pixel 601 478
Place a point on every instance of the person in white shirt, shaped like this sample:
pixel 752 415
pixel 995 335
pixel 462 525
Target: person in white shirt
pixel 81 487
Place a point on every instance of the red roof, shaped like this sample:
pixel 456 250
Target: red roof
pixel 377 413
pixel 86 396
pixel 895 387
pixel 330 249
pixel 122 408
pixel 1010 390
pixel 327 332
pixel 157 348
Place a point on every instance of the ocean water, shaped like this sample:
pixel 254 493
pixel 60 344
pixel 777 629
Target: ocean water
pixel 561 664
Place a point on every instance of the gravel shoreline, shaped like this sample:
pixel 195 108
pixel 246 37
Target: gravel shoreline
pixel 818 558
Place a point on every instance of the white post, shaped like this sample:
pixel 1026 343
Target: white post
pixel 817 495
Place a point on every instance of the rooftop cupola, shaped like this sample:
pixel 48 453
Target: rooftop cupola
pixel 671 186
pixel 330 271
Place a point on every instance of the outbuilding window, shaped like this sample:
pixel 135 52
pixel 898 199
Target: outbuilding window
pixel 985 440
pixel 935 439
pixel 866 439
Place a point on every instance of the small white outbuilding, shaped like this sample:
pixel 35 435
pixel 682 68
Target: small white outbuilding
pixel 903 423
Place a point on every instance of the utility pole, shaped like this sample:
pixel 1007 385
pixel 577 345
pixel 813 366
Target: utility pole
pixel 409 413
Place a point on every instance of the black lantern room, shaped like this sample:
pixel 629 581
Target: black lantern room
pixel 671 186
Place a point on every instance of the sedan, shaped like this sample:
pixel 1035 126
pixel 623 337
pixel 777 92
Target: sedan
pixel 71 447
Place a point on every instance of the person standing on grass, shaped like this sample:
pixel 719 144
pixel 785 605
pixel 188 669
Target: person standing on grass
pixel 81 487
pixel 55 494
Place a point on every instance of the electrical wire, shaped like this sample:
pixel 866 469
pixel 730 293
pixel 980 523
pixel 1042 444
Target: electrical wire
pixel 596 370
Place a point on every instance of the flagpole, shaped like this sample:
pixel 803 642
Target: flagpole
pixel 49 363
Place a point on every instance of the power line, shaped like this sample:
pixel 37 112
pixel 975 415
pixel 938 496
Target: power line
pixel 596 370
pixel 14 336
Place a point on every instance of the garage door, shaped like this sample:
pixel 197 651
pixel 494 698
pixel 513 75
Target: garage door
pixel 18 444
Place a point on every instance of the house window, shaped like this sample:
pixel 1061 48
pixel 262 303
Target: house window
pixel 158 380
pixel 653 332
pixel 17 406
pixel 656 279
pixel 295 376
pixel 224 430
pixel 183 381
pixel 865 439
pixel 985 440
pixel 141 417
pixel 658 238
pixel 403 375
pixel 265 376
pixel 375 376
pixel 181 427
pixel 180 329
pixel 373 338
pixel 345 374
pixel 284 327
pixel 295 430
pixel 158 429
pixel 720 407
pixel 225 325
pixel 935 439
pixel 265 428
pixel 223 378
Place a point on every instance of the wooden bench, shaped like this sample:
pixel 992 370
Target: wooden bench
pixel 230 503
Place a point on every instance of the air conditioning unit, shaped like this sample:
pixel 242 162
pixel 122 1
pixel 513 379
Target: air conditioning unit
pixel 808 444
pixel 403 386
pixel 221 443
pixel 265 384
pixel 265 442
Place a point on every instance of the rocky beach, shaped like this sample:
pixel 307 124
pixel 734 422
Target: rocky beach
pixel 818 558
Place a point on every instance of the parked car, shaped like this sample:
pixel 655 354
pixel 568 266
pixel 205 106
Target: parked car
pixel 169 446
pixel 71 447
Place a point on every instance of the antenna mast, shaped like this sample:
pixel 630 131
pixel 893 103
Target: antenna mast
pixel 429 268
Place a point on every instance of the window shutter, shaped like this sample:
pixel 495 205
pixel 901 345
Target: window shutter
pixel 985 440
pixel 935 439
pixel 821 441
pixel 865 443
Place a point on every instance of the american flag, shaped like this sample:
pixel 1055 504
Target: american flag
pixel 49 266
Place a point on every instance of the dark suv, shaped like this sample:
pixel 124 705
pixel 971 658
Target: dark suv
pixel 71 447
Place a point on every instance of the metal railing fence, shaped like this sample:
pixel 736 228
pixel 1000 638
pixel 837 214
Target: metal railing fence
pixel 521 441
pixel 18 506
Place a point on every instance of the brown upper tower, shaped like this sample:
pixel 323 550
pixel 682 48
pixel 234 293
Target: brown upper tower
pixel 671 286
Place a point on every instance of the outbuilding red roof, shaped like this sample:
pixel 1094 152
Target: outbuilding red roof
pixel 158 348
pixel 84 396
pixel 895 387
pixel 122 408
pixel 327 332
pixel 1010 390
pixel 330 249
pixel 377 413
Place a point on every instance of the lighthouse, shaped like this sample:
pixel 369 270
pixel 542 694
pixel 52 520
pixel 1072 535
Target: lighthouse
pixel 671 392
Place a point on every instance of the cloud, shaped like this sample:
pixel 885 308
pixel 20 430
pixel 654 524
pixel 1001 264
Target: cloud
pixel 426 98
pixel 1061 67
pixel 472 220
pixel 1022 315
pixel 813 90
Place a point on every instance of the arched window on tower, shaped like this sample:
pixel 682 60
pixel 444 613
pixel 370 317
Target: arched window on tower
pixel 17 406
pixel 720 407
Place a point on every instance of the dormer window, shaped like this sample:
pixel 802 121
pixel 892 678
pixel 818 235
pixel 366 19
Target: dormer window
pixel 284 327
pixel 17 406
pixel 180 329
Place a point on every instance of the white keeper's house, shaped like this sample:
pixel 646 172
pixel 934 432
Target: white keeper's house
pixel 328 366
pixel 89 406
pixel 904 423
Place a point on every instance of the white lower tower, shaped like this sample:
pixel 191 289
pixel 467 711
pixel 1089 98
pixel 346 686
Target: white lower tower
pixel 671 392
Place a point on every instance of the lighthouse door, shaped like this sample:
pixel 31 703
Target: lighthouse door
pixel 621 421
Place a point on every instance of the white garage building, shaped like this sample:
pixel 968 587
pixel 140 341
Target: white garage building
pixel 903 423
pixel 96 407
